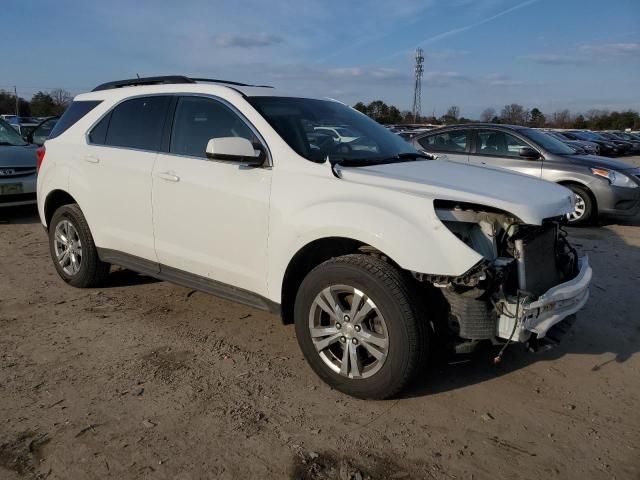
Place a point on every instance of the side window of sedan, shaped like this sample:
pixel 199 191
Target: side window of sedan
pixel 498 143
pixel 197 120
pixel 455 141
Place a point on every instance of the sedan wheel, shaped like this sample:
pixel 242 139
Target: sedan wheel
pixel 579 211
pixel 584 211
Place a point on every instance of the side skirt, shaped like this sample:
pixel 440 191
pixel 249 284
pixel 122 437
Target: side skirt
pixel 186 279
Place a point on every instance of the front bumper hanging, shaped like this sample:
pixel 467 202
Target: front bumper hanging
pixel 550 308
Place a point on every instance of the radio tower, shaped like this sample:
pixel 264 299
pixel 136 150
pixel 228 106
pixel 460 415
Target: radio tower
pixel 417 88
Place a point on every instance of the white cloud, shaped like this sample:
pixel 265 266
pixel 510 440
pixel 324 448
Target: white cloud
pixel 620 49
pixel 587 53
pixel 246 41
pixel 501 80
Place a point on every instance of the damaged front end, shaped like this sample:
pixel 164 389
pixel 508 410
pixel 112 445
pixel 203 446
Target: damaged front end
pixel 526 289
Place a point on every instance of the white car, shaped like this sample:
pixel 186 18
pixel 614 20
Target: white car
pixel 376 255
pixel 340 134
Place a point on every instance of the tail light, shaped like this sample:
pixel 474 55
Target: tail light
pixel 40 154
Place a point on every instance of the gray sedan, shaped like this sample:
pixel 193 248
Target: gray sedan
pixel 601 185
pixel 17 168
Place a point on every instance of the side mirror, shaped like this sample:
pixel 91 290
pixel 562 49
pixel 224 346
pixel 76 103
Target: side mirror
pixel 235 149
pixel 529 153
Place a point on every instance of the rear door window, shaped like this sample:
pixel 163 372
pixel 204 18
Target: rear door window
pixel 75 112
pixel 497 143
pixel 136 123
pixel 455 141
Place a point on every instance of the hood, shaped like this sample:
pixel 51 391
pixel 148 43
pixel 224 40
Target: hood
pixel 530 199
pixel 598 161
pixel 19 156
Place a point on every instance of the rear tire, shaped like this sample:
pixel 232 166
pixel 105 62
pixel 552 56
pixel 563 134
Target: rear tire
pixel 585 212
pixel 73 251
pixel 360 310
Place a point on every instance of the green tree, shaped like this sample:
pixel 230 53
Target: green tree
pixel 536 118
pixel 361 107
pixel 381 112
pixel 8 104
pixel 580 122
pixel 42 105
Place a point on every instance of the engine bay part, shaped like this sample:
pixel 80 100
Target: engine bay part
pixel 521 262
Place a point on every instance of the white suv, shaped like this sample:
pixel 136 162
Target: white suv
pixel 378 256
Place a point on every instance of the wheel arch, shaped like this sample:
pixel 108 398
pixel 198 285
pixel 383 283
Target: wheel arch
pixel 567 183
pixel 310 256
pixel 56 199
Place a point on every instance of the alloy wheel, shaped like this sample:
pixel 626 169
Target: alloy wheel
pixel 68 247
pixel 348 331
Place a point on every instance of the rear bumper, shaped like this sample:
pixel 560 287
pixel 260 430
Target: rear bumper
pixel 549 309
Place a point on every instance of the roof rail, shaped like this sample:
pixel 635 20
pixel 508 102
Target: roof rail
pixel 144 81
pixel 228 82
pixel 167 79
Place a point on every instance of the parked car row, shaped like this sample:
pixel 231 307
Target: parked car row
pixel 601 185
pixel 17 168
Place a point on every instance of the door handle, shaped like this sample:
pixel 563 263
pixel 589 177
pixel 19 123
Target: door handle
pixel 92 159
pixel 169 177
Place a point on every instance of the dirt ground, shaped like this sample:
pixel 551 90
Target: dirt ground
pixel 144 379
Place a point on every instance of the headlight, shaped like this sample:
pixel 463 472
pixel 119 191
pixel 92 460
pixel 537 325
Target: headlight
pixel 616 179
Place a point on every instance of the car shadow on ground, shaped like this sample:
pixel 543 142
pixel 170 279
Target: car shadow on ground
pixel 23 215
pixel 630 221
pixel 607 330
pixel 121 277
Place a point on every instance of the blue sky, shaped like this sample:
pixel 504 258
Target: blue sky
pixel 551 54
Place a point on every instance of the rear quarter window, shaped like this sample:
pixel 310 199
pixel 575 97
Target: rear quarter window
pixel 75 112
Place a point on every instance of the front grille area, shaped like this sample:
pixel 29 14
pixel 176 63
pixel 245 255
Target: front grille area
pixel 17 197
pixel 15 172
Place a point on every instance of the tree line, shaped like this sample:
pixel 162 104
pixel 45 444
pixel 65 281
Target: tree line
pixel 42 104
pixel 54 103
pixel 513 114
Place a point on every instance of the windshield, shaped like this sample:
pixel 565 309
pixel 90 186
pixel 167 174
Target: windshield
pixel 586 136
pixel 9 136
pixel 300 122
pixel 548 142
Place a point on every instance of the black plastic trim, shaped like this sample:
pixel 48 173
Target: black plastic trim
pixel 186 279
pixel 167 79
pixel 131 82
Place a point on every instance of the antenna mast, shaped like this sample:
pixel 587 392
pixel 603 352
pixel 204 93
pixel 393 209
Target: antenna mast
pixel 417 88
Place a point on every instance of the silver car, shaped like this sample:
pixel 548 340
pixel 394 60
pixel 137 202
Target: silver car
pixel 602 186
pixel 18 168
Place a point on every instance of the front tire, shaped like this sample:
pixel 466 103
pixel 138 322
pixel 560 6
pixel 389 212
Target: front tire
pixel 361 326
pixel 73 251
pixel 585 211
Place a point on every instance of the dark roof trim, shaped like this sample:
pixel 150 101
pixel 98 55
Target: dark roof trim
pixel 166 80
